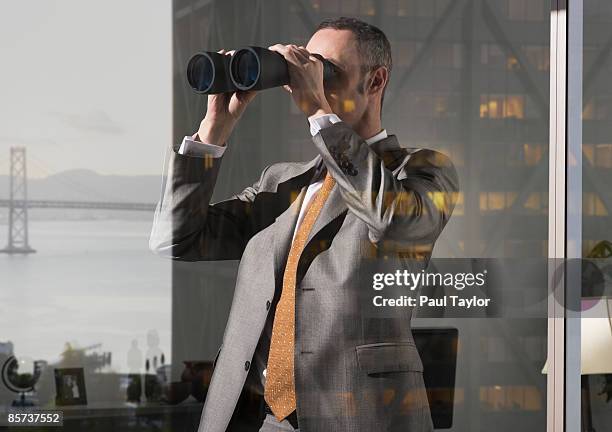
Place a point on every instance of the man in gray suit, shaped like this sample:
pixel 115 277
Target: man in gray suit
pixel 304 333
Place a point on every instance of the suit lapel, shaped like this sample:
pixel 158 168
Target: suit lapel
pixel 285 222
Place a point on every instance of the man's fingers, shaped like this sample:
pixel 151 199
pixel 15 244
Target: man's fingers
pixel 300 54
pixel 246 96
pixel 278 48
pixel 223 51
pixel 287 88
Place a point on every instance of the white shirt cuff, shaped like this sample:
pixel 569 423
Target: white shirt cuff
pixel 321 122
pixel 191 147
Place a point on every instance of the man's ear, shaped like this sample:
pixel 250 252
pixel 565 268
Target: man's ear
pixel 378 79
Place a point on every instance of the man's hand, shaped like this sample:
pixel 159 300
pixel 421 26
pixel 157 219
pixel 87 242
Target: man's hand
pixel 306 79
pixel 223 112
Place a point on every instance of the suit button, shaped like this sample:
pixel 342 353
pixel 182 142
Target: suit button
pixel 268 305
pixel 247 365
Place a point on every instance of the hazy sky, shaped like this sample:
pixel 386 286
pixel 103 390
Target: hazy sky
pixel 86 84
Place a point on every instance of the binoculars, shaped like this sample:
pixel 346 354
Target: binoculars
pixel 251 68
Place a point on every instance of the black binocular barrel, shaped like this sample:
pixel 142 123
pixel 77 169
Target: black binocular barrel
pixel 207 72
pixel 256 68
pixel 251 68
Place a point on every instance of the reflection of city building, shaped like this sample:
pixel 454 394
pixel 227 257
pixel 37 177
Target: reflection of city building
pixel 596 129
pixel 470 78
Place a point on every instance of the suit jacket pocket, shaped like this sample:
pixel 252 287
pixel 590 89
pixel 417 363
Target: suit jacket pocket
pixel 383 357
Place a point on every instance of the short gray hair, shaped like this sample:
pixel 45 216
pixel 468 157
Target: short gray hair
pixel 372 42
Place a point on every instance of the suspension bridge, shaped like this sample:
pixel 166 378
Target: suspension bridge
pixel 18 205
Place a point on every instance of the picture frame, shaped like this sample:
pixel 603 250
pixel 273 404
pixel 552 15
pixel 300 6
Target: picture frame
pixel 70 387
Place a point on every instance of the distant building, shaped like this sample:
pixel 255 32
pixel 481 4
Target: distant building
pixel 6 348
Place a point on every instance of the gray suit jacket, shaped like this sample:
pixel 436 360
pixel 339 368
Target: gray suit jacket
pixel 356 365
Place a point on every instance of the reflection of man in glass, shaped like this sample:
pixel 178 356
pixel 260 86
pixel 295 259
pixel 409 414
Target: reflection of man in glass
pixel 134 358
pixel 153 350
pixel 302 332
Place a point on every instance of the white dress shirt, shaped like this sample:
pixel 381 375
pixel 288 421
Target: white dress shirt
pixel 191 147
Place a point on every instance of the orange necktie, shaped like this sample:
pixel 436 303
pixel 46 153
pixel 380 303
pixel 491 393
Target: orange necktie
pixel 279 391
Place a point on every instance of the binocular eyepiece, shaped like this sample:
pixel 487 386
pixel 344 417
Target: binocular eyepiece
pixel 251 68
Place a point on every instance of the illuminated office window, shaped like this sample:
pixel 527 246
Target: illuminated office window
pixel 502 106
pixel 459 205
pixel 494 201
pixel 510 198
pixel 512 63
pixel 532 153
pixel 588 112
pixel 588 152
pixel 491 106
pixel 534 202
pixel 509 398
pixel 501 200
pixel 492 398
pixel 514 106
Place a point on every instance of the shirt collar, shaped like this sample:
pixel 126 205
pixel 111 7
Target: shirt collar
pixel 379 136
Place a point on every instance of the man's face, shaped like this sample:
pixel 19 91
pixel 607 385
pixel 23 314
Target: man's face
pixel 347 98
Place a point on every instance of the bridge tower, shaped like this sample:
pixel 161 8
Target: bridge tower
pixel 18 205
